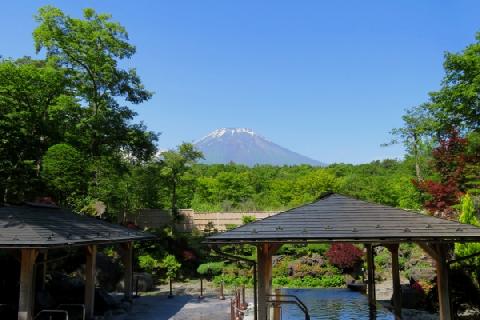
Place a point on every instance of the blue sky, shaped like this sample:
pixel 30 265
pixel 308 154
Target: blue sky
pixel 328 79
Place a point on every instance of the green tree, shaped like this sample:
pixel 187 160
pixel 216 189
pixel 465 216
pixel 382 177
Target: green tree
pixel 457 103
pixel 175 165
pixel 64 170
pixel 468 215
pixel 171 266
pixel 89 50
pixel 30 92
pixel 416 135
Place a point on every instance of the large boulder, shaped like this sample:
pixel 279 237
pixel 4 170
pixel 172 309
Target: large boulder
pixel 412 298
pixel 142 281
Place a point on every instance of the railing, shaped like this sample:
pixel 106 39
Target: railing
pixel 62 311
pixel 279 299
pixel 238 306
pixel 69 306
pixel 51 313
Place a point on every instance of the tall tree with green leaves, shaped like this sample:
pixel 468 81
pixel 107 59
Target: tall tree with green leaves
pixel 416 135
pixel 89 50
pixel 32 93
pixel 457 103
pixel 175 164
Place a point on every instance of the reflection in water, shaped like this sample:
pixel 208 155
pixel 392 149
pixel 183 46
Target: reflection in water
pixel 333 304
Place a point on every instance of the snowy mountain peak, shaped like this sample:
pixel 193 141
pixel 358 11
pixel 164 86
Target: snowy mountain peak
pixel 244 146
pixel 228 131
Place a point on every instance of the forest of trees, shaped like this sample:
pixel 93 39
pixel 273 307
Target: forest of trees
pixel 67 132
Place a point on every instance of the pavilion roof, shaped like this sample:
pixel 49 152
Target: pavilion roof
pixel 46 227
pixel 336 217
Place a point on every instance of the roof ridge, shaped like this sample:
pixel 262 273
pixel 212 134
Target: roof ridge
pixel 321 197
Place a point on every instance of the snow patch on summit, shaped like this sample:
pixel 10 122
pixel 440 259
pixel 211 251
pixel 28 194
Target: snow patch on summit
pixel 227 131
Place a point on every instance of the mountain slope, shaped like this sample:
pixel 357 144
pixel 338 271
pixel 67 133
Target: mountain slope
pixel 243 146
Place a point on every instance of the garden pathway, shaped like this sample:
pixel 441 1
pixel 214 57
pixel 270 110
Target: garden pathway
pixel 187 307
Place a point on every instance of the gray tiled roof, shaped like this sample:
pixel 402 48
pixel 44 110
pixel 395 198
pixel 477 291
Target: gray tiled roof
pixel 42 227
pixel 337 217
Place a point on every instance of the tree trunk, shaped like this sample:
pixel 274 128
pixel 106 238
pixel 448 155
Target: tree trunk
pixel 418 171
pixel 174 200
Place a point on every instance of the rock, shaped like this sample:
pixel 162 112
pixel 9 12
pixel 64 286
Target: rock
pixel 412 298
pixel 142 281
pixel 109 272
pixel 44 300
pixel 423 274
pixel 277 259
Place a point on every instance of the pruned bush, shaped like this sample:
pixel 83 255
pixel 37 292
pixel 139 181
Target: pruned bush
pixel 211 268
pixel 344 255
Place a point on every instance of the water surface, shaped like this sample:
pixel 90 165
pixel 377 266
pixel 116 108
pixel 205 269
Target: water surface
pixel 333 304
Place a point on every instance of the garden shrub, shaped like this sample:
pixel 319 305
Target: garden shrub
pixel 148 263
pixel 211 268
pixel 344 255
pixel 248 219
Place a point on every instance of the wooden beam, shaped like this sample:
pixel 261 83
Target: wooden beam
pixel 127 257
pixel 372 299
pixel 429 249
pixel 26 298
pixel 397 290
pixel 90 275
pixel 264 271
pixel 442 282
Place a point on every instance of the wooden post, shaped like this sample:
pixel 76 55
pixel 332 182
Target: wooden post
pixel 264 260
pixel 277 309
pixel 442 283
pixel 397 290
pixel 439 254
pixel 27 295
pixel 44 269
pixel 127 257
pixel 244 302
pixel 372 299
pixel 90 275
pixel 222 296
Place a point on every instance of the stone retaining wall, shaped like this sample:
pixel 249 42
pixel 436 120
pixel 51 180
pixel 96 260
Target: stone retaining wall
pixel 155 218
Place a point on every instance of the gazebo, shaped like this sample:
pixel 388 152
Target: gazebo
pixel 32 230
pixel 338 218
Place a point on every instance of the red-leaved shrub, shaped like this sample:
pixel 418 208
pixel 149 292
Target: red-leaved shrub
pixel 344 255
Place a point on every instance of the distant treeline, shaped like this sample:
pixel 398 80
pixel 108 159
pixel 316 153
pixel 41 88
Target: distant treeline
pixel 263 187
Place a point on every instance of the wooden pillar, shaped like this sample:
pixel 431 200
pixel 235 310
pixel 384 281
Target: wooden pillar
pixel 439 254
pixel 397 290
pixel 372 299
pixel 44 269
pixel 27 295
pixel 442 283
pixel 127 257
pixel 264 270
pixel 277 310
pixel 90 275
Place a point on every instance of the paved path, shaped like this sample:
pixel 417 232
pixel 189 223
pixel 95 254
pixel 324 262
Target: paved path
pixel 179 308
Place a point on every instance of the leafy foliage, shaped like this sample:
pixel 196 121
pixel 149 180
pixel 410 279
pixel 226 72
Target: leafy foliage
pixel 211 268
pixel 344 255
pixel 171 266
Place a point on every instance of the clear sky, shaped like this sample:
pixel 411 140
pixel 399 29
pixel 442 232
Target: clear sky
pixel 327 79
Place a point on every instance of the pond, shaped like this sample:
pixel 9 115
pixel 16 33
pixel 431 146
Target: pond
pixel 332 304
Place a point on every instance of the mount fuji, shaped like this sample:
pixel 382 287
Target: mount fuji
pixel 243 146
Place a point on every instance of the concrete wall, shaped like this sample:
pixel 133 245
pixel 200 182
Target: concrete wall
pixel 154 218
